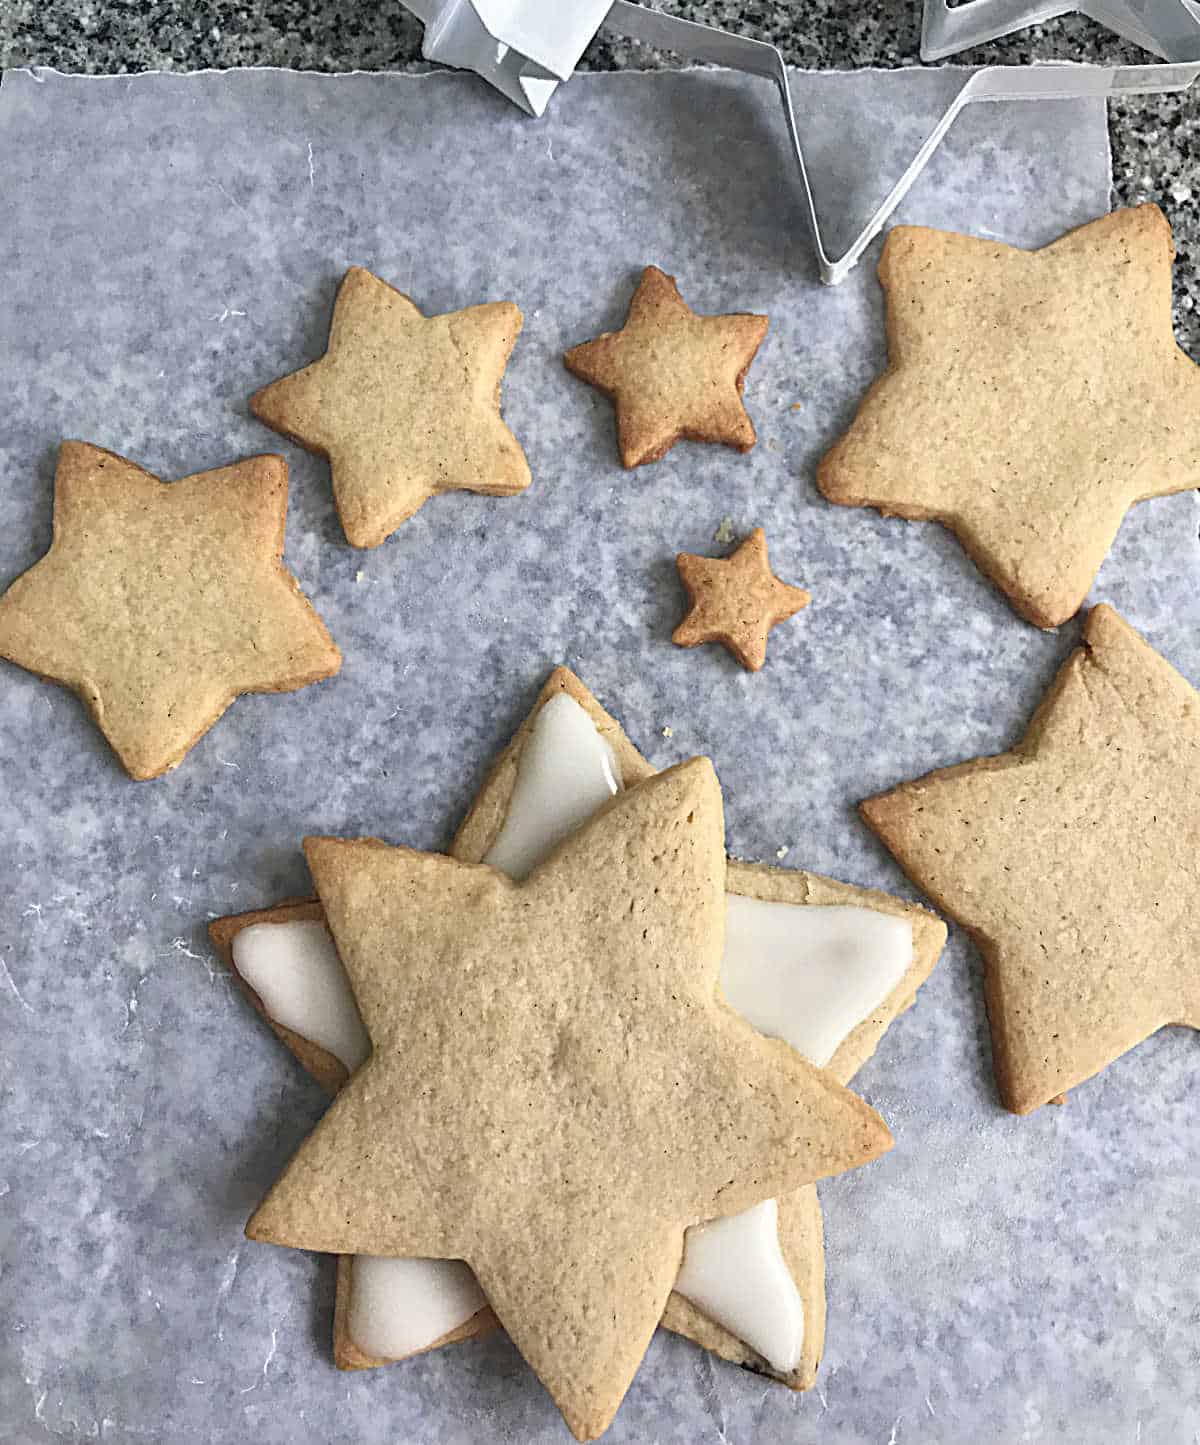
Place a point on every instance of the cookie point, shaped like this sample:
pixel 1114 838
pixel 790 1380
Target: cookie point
pixel 561 678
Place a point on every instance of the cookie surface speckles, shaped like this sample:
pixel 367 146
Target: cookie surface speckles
pixel 1030 398
pixel 1072 860
pixel 672 374
pixel 158 602
pixel 735 600
pixel 403 405
pixel 609 1057
pixel 799 1213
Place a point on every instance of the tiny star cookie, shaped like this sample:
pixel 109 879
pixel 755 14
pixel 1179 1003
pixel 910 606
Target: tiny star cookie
pixel 735 600
pixel 160 602
pixel 403 405
pixel 1072 861
pixel 1030 398
pixel 672 374
pixel 584 1093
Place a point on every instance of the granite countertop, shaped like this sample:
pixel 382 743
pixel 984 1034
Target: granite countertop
pixel 1021 1282
pixel 1155 139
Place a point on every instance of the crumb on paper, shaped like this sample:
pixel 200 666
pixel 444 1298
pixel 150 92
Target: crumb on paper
pixel 796 406
pixel 668 732
pixel 359 575
pixel 724 533
pixel 784 851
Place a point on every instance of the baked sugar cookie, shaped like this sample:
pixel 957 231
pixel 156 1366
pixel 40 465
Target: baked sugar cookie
pixel 611 1096
pixel 158 602
pixel 567 759
pixel 671 374
pixel 735 601
pixel 404 406
pixel 1072 861
pixel 1030 398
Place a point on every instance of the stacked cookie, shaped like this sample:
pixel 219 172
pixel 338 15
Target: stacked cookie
pixel 585 1068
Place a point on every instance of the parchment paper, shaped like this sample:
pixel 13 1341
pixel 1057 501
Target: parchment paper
pixel 169 243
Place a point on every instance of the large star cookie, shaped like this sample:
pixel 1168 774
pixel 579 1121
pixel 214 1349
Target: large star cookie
pixel 403 405
pixel 1029 399
pixel 735 600
pixel 1073 861
pixel 159 603
pixel 830 994
pixel 583 1095
pixel 672 374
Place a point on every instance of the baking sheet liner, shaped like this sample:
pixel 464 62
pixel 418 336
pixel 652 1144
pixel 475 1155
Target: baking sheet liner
pixel 168 244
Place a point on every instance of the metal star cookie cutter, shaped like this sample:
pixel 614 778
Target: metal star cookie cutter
pixel 1168 28
pixel 525 47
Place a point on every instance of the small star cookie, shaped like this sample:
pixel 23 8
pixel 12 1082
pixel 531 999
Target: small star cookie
pixel 1030 398
pixel 404 406
pixel 584 1094
pixel 672 374
pixel 1072 861
pixel 735 600
pixel 159 602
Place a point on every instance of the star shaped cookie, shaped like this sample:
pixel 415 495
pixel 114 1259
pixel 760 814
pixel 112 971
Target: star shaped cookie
pixel 1030 399
pixel 1072 860
pixel 799 1223
pixel 404 406
pixel 735 600
pixel 584 1095
pixel 672 374
pixel 159 603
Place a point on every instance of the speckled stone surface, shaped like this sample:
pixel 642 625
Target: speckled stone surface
pixel 1155 139
pixel 992 1279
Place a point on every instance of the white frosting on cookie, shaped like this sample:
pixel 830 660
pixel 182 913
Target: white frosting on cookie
pixel 810 975
pixel 295 969
pixel 734 1270
pixel 805 974
pixel 566 771
pixel 398 1306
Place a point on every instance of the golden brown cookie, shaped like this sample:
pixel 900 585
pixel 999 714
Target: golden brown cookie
pixel 799 1214
pixel 329 1071
pixel 735 600
pixel 404 406
pixel 1030 398
pixel 1072 861
pixel 671 374
pixel 563 1031
pixel 158 602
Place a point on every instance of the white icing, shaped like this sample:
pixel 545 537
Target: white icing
pixel 398 1306
pixel 810 975
pixel 734 1270
pixel 805 974
pixel 295 969
pixel 566 771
